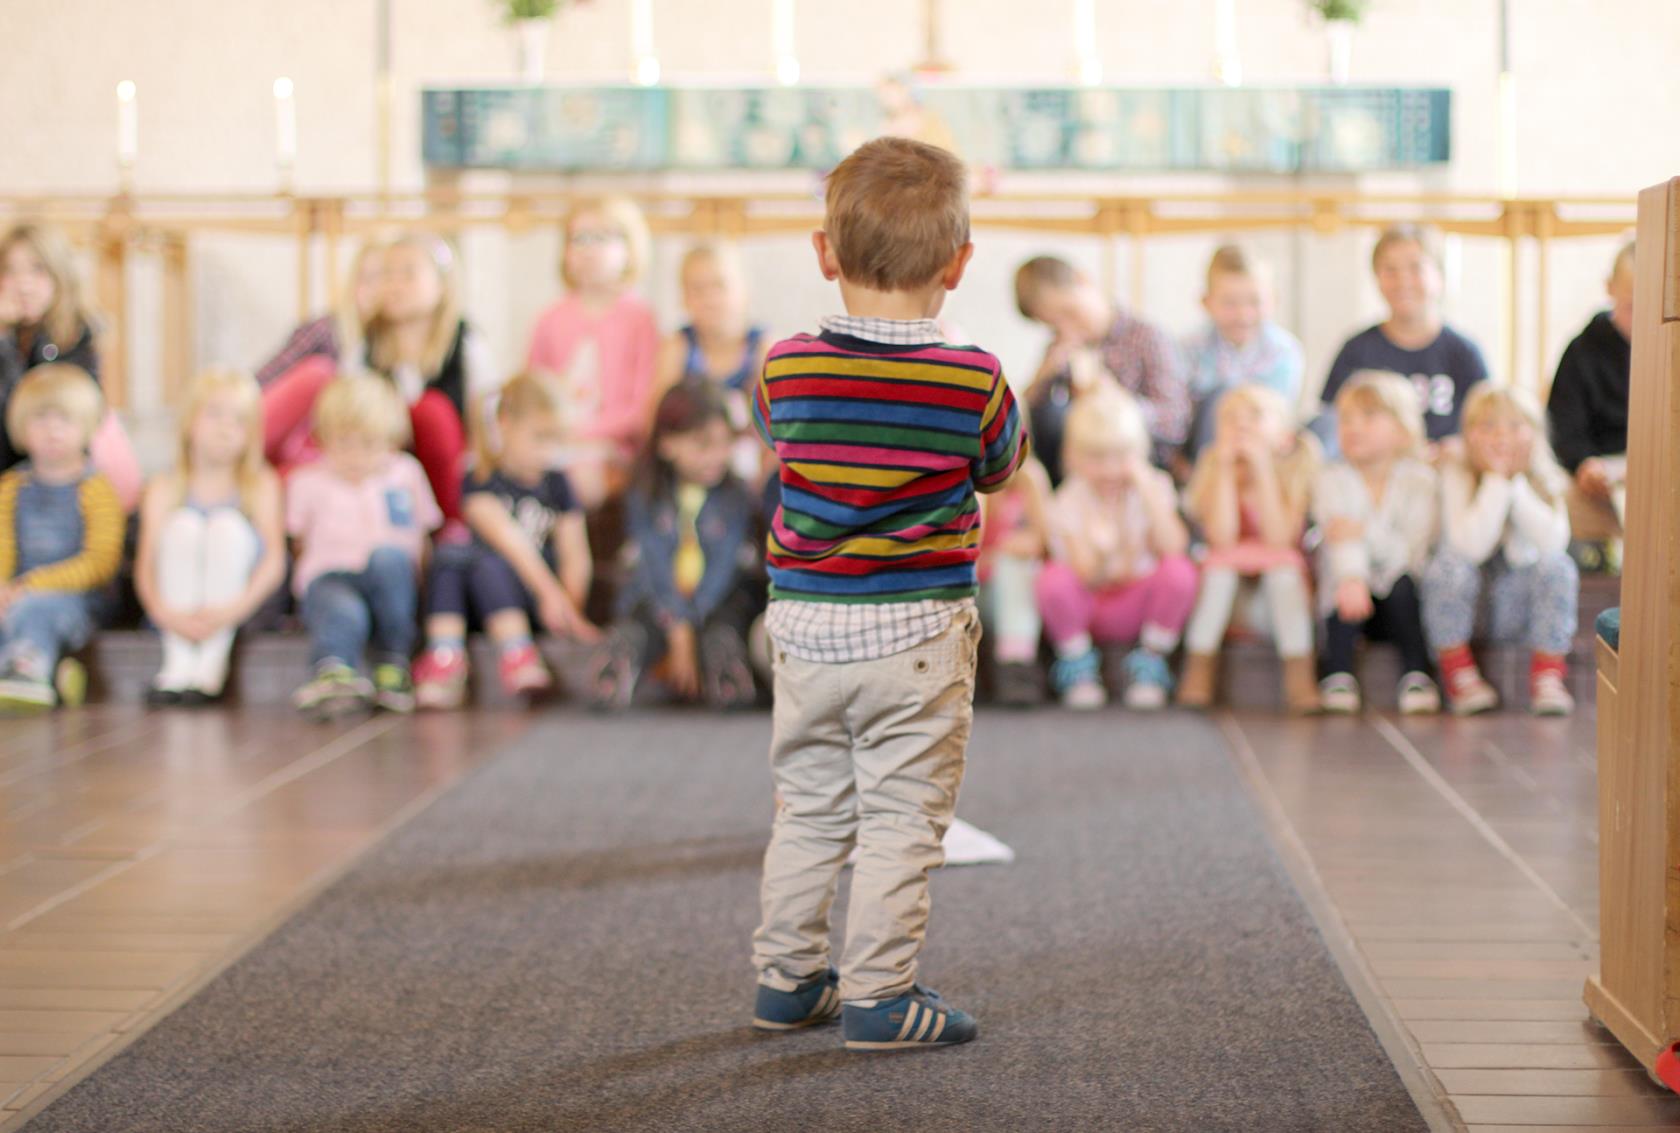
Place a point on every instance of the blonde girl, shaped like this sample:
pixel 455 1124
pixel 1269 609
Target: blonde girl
pixel 1503 567
pixel 600 342
pixel 314 355
pixel 1376 508
pixel 1249 494
pixel 719 344
pixel 1119 571
pixel 212 547
pixel 44 318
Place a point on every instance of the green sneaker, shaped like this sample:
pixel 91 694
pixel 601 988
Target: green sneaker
pixel 335 690
pixel 71 682
pixel 393 687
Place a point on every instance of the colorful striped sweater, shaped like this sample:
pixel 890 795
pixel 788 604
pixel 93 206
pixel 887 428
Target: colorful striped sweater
pixel 882 448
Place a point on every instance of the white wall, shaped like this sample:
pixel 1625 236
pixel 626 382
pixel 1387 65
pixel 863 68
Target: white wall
pixel 1592 77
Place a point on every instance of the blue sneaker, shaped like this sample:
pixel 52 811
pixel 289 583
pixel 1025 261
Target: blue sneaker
pixel 1078 680
pixel 916 1019
pixel 1148 680
pixel 815 1001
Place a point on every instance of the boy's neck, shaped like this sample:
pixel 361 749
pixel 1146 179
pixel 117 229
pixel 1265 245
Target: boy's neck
pixel 410 336
pixel 1414 331
pixel 64 471
pixel 904 306
pixel 1374 468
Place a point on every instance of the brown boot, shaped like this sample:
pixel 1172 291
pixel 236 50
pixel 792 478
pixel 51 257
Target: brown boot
pixel 1300 686
pixel 1198 683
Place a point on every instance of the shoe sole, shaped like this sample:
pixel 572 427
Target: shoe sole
pixel 769 1025
pixel 439 701
pixel 906 1044
pixel 396 705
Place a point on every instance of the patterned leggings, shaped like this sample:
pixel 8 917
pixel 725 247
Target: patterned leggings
pixel 1533 605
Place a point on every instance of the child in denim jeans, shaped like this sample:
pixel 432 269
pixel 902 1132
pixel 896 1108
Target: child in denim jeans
pixel 883 433
pixel 360 517
pixel 61 536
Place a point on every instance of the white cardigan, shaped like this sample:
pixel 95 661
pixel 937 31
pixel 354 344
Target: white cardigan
pixel 1399 533
pixel 1499 513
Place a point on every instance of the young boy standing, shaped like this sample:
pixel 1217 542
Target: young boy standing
pixel 884 434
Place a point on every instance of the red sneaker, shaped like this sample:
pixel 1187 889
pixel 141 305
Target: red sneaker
pixel 523 672
pixel 440 678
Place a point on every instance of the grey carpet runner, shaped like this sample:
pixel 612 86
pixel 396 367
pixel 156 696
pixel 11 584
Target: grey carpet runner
pixel 560 943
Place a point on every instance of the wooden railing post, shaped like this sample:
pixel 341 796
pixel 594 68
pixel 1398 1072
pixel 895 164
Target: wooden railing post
pixel 111 289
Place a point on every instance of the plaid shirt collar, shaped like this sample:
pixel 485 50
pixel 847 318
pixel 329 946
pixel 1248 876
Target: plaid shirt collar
pixel 893 332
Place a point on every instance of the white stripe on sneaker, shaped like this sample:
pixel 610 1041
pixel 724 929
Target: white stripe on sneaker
pixel 929 1018
pixel 938 1028
pixel 909 1021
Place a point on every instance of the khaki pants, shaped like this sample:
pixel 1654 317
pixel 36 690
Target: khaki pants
pixel 871 753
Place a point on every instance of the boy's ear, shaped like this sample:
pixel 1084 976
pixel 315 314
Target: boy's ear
pixel 959 264
pixel 827 262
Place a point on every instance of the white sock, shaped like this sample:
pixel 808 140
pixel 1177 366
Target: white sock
pixel 1075 646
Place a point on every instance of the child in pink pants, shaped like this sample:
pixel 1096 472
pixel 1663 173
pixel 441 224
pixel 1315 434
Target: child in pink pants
pixel 1119 572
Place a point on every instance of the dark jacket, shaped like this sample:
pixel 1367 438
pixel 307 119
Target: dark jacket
pixel 726 525
pixel 1589 403
pixel 14 363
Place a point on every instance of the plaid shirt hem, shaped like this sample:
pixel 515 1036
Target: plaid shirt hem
pixel 838 633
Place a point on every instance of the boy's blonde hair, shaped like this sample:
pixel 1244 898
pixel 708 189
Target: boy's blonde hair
pixel 1107 419
pixel 897 213
pixel 243 389
pixel 523 396
pixel 1232 259
pixel 1487 399
pixel 1406 233
pixel 1623 261
pixel 362 404
pixel 446 316
pixel 68 314
pixel 725 257
pixel 1037 276
pixel 59 386
pixel 622 214
pixel 1384 391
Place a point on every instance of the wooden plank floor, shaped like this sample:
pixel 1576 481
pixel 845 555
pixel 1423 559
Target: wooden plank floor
pixel 141 852
pixel 1460 856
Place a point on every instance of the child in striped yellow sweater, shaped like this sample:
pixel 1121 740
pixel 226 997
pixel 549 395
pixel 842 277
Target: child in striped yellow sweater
pixel 61 537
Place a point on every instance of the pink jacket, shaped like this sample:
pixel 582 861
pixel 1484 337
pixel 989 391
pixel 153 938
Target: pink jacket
pixel 611 396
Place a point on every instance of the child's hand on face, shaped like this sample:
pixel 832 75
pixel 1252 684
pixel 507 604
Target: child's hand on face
pixel 682 661
pixel 1344 529
pixel 11 307
pixel 1353 600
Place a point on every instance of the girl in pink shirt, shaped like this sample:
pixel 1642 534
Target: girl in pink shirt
pixel 600 343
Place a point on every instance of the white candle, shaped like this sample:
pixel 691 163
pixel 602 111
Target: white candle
pixel 1085 42
pixel 781 38
pixel 285 123
pixel 641 42
pixel 1228 59
pixel 128 123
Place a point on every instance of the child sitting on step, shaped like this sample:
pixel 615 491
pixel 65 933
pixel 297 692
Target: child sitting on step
pixel 1377 509
pixel 360 517
pixel 61 538
pixel 1119 572
pixel 212 544
pixel 689 599
pixel 1503 565
pixel 1249 494
pixel 528 564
